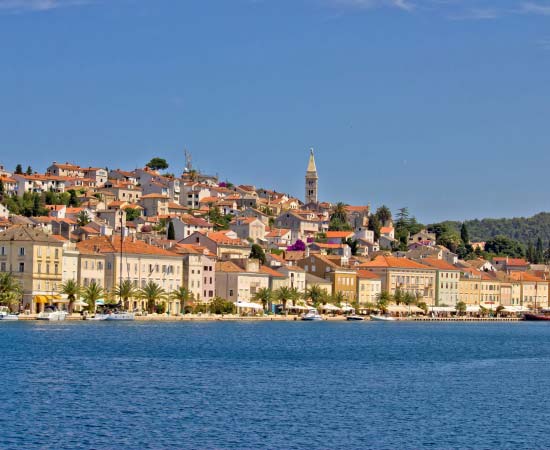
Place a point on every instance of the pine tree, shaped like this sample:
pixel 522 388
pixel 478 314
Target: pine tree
pixel 29 170
pixel 18 169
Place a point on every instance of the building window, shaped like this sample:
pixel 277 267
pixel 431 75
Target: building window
pixel 22 251
pixel 21 267
pixel 231 292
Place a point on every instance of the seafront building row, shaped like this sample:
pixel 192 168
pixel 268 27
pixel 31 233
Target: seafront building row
pixel 141 226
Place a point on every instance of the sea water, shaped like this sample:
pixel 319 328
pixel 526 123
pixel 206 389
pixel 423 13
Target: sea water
pixel 277 385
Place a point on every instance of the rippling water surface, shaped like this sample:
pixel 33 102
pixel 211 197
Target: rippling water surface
pixel 274 385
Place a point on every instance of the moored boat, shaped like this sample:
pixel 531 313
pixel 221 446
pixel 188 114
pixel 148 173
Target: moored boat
pixel 5 314
pixel 52 313
pixel 312 315
pixel 382 318
pixel 115 316
pixel 354 317
pixel 536 317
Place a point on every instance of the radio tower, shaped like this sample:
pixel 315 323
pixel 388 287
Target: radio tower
pixel 188 162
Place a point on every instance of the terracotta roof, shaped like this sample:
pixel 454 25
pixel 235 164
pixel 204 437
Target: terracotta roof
pixel 439 264
pixel 386 230
pixel 366 274
pixel 383 261
pixel 219 237
pixel 21 233
pixel 327 246
pixel 269 271
pixel 518 262
pixel 338 234
pixel 523 276
pixel 155 196
pixel 105 244
pixel 228 266
pixel 277 232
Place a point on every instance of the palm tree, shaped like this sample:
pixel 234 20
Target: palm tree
pixel 183 295
pixel 125 291
pixel 409 299
pixel 316 295
pixel 338 298
pixel 11 291
pixel 263 295
pixel 283 295
pixel 384 299
pixel 71 289
pixel 339 212
pixel 152 292
pixel 91 294
pixel 295 295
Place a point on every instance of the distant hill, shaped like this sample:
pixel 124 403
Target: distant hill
pixel 523 229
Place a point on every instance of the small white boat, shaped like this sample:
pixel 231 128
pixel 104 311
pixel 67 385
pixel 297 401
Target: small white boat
pixel 354 317
pixel 312 315
pixel 5 314
pixel 115 316
pixel 383 318
pixel 52 314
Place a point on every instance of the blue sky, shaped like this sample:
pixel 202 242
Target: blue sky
pixel 442 106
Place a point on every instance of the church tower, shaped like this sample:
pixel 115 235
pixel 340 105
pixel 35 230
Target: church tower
pixel 312 180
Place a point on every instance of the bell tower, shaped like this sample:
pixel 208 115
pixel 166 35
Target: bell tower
pixel 312 180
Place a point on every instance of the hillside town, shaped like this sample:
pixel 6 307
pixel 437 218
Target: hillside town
pixel 169 244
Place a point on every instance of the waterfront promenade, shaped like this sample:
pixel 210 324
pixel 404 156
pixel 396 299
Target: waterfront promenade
pixel 282 318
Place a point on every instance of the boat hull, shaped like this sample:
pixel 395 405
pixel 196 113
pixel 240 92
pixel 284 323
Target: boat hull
pixel 114 317
pixel 354 318
pixel 383 319
pixel 536 317
pixel 9 317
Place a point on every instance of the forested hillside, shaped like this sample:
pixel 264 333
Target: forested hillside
pixel 523 229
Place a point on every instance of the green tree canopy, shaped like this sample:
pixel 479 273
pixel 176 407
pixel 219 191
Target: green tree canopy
pixel 383 213
pixel 257 252
pixel 157 164
pixel 504 246
pixel 153 293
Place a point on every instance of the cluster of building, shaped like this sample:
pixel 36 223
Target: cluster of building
pixel 143 226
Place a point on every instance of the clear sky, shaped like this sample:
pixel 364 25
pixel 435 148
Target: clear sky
pixel 439 105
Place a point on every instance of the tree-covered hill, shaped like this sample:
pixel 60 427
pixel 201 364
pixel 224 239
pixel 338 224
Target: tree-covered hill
pixel 523 229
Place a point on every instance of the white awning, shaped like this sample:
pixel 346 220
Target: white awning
pixel 515 309
pixel 250 305
pixel 472 308
pixel 329 307
pixel 448 309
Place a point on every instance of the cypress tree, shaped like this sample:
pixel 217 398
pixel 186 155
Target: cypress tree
pixel 464 235
pixel 530 255
pixel 18 169
pixel 171 232
pixel 539 252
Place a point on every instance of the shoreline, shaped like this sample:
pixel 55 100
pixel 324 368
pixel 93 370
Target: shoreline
pixel 234 318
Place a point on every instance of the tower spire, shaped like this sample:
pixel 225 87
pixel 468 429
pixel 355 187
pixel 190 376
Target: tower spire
pixel 312 180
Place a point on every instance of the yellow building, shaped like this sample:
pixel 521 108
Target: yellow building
pixel 369 287
pixel 133 260
pixel 334 269
pixel 405 275
pixel 534 290
pixel 35 258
